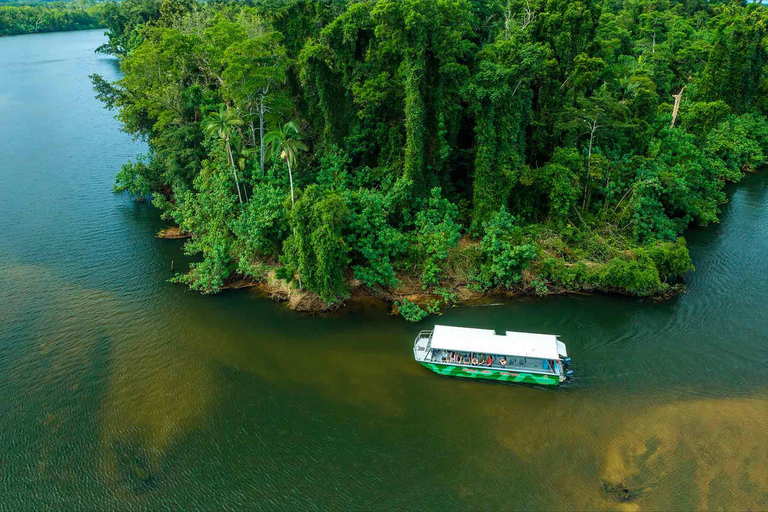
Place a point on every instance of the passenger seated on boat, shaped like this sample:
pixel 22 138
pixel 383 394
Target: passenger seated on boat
pixel 503 361
pixel 465 359
pixel 474 360
pixel 489 361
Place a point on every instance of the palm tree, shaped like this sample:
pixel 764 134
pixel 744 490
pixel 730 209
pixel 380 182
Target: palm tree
pixel 286 142
pixel 222 123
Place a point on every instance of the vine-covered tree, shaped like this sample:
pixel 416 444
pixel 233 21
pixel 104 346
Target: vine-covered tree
pixel 489 144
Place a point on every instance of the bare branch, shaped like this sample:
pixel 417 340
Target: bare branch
pixel 677 97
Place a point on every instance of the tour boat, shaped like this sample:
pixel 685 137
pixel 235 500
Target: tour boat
pixel 519 357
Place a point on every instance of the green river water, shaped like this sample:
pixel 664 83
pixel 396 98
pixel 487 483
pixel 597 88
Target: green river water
pixel 119 390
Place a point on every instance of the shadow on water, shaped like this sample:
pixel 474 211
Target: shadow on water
pixel 134 465
pixel 112 63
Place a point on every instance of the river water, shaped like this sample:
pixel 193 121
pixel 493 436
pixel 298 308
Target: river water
pixel 120 390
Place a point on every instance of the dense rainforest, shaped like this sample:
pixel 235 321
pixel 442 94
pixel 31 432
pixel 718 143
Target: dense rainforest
pixel 423 148
pixel 31 18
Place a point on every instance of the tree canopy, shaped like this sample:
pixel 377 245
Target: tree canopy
pixel 533 144
pixel 35 17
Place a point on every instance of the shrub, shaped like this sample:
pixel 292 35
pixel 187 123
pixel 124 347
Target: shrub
pixel 316 247
pixel 262 225
pixel 410 311
pixel 373 241
pixel 637 277
pixel 437 232
pixel 671 259
pixel 505 256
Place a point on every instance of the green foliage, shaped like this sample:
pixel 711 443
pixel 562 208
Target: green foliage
pixel 138 179
pixel 436 233
pixel 506 251
pixel 561 178
pixel 542 129
pixel 700 117
pixel 410 311
pixel 124 21
pixel 207 213
pixel 671 259
pixel 375 243
pixel 48 17
pixel 316 247
pixel 738 145
pixel 638 277
pixel 262 226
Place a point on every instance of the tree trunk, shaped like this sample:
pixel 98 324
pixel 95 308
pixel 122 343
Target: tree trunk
pixel 677 97
pixel 253 130
pixel 234 172
pixel 261 134
pixel 589 162
pixel 290 178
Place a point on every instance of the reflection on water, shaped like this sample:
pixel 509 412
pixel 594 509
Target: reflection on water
pixel 121 390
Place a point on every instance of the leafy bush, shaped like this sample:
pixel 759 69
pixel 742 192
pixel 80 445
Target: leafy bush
pixel 738 142
pixel 637 277
pixel 410 311
pixel 436 233
pixel 138 179
pixel 506 251
pixel 316 247
pixel 262 225
pixel 672 260
pixel 206 213
pixel 375 244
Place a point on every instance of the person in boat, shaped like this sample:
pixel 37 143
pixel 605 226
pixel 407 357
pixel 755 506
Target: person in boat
pixel 503 361
pixel 489 360
pixel 474 360
pixel 465 359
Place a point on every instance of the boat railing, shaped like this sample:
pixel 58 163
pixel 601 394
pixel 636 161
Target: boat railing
pixel 420 349
pixel 497 366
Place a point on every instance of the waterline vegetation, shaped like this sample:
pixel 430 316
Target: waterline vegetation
pixel 37 17
pixel 451 148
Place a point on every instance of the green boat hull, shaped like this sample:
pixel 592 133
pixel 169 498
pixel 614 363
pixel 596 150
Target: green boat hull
pixel 494 375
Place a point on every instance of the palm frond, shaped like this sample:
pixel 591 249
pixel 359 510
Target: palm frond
pixel 291 127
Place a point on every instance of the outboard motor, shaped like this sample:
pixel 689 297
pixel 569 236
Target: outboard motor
pixel 568 374
pixel 567 361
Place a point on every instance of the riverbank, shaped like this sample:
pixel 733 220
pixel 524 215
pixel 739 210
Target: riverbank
pixel 652 272
pixel 21 19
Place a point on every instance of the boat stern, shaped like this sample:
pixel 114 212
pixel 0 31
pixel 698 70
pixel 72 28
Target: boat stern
pixel 421 345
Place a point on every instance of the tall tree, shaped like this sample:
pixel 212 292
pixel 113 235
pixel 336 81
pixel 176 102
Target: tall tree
pixel 221 124
pixel 286 142
pixel 255 68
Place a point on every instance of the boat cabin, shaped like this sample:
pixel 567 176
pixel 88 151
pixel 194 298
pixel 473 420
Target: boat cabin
pixel 464 347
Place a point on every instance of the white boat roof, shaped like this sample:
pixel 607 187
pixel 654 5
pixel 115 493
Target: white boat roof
pixel 486 341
